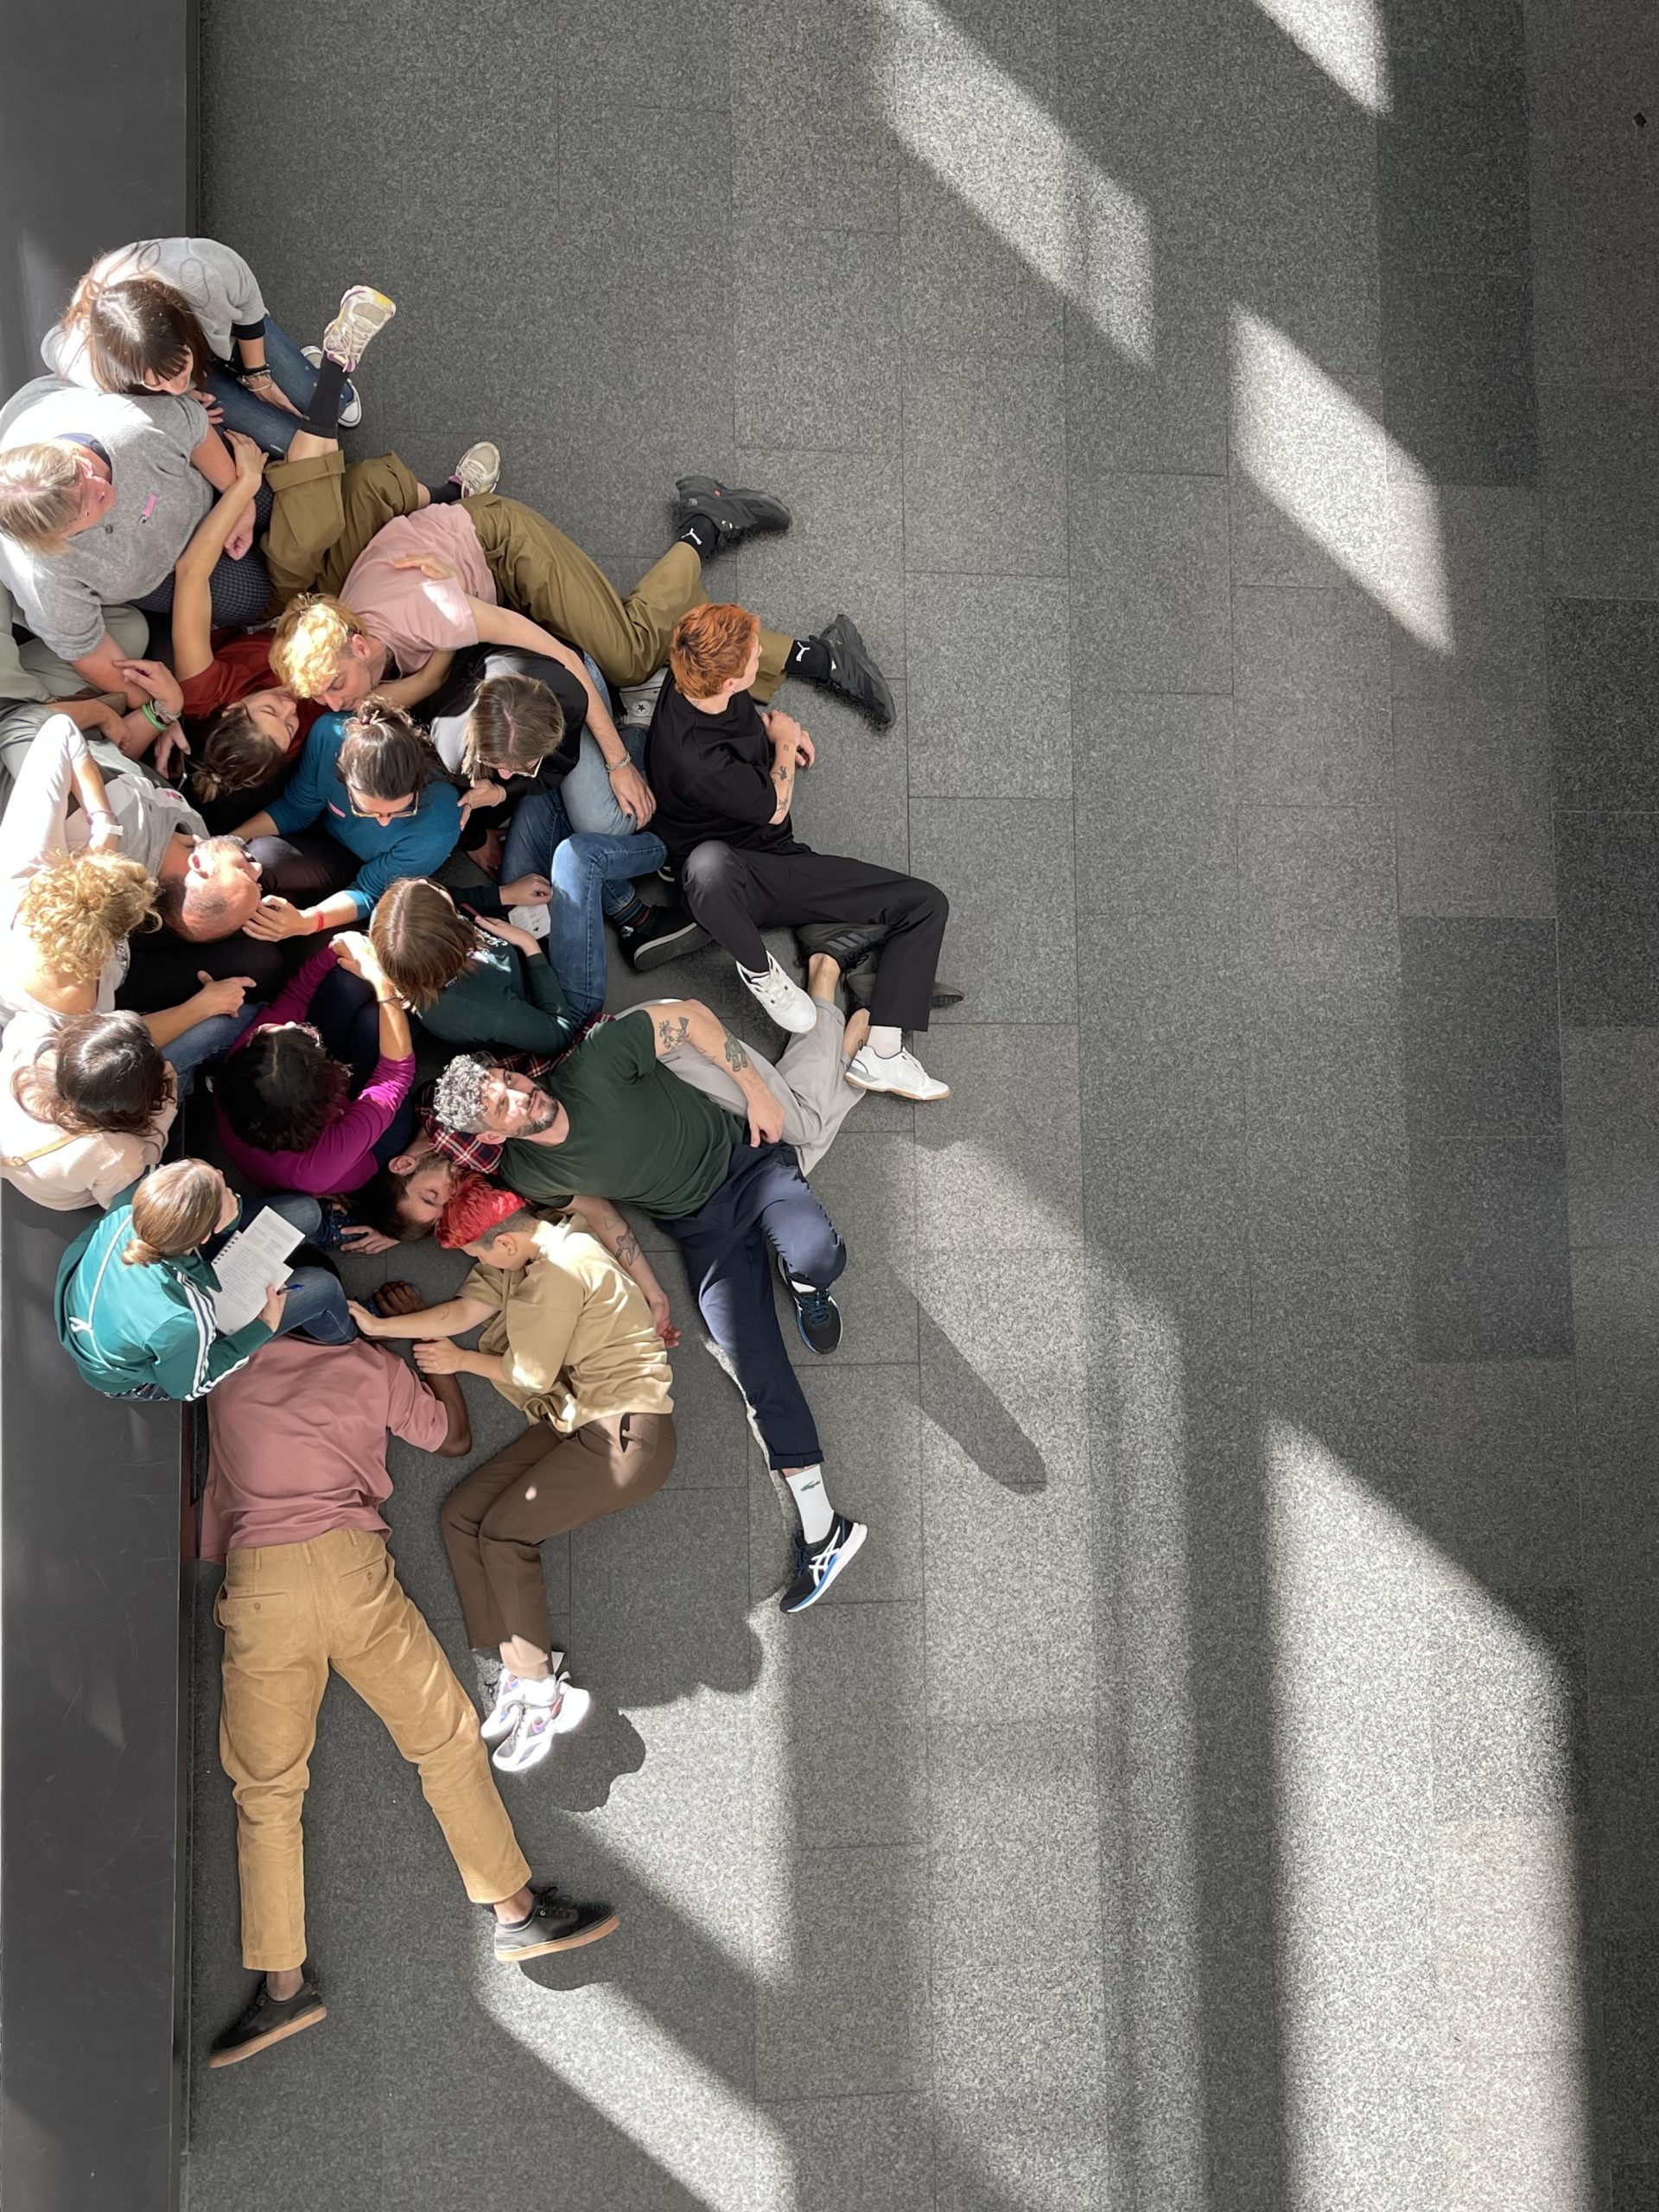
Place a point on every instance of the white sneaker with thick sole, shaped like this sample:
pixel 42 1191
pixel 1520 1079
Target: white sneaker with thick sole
pixel 503 1716
pixel 363 313
pixel 783 999
pixel 902 1073
pixel 478 468
pixel 547 1709
pixel 351 413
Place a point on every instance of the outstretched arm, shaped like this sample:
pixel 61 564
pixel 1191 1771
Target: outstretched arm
pixel 602 1222
pixel 502 626
pixel 192 599
pixel 688 1021
pixel 452 1318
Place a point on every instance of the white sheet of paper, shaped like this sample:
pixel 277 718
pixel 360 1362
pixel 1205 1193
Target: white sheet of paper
pixel 255 1258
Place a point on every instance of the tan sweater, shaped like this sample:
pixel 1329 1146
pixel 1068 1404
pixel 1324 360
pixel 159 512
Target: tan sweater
pixel 44 1162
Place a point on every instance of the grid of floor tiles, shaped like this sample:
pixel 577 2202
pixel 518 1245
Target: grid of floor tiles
pixel 1226 1779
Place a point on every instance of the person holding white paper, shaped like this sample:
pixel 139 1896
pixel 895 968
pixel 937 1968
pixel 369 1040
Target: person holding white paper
pixel 136 1295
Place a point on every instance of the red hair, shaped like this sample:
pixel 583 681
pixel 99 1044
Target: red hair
pixel 710 645
pixel 475 1208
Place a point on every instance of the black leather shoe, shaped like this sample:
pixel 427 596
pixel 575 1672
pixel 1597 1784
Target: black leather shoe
pixel 734 513
pixel 271 2019
pixel 853 673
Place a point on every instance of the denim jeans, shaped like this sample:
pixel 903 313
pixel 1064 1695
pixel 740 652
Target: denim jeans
pixel 316 1299
pixel 207 1040
pixel 588 795
pixel 591 877
pixel 585 803
pixel 273 428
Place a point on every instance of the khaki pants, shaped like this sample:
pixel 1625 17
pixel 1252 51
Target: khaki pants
pixel 290 1612
pixel 325 512
pixel 496 1521
pixel 810 1083
pixel 542 573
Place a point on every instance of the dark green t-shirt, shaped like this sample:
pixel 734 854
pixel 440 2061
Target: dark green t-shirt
pixel 637 1132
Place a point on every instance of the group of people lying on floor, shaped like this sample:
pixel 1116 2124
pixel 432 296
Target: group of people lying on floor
pixel 417 726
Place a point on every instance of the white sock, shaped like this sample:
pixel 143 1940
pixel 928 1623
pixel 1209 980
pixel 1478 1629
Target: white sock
pixel 806 1488
pixel 884 1042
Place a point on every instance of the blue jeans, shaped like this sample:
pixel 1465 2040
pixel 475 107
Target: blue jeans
pixel 273 428
pixel 591 877
pixel 316 1299
pixel 207 1040
pixel 589 794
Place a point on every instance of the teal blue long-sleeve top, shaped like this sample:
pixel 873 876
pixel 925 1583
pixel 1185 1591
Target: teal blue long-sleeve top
pixel 126 1327
pixel 416 843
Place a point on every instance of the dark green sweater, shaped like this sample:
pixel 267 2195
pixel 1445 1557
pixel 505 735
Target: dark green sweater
pixel 499 999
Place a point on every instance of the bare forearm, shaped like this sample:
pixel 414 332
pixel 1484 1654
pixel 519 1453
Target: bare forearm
pixel 688 1021
pixel 783 763
pixel 102 670
pixel 505 625
pixel 212 458
pixel 602 1220
pixel 458 1437
pixel 452 1318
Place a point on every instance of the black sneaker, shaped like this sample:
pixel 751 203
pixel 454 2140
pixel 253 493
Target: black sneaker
pixel 816 1314
pixel 271 2019
pixel 817 1566
pixel 661 933
pixel 846 943
pixel 852 672
pixel 556 1923
pixel 734 513
pixel 860 980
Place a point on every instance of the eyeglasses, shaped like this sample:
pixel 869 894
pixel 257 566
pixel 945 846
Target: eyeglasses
pixel 384 810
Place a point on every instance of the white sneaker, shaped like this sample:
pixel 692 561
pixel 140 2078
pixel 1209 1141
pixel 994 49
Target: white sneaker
pixel 362 314
pixel 535 920
pixel 478 468
pixel 503 1716
pixel 640 701
pixel 783 1000
pixel 546 1709
pixel 351 413
pixel 902 1074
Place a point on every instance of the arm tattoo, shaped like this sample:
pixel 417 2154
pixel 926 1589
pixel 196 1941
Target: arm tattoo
pixel 672 1032
pixel 736 1059
pixel 627 1246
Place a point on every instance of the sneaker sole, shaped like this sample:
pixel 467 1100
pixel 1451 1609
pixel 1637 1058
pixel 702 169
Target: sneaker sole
pixel 849 1553
pixel 564 1943
pixel 668 948
pixel 892 1090
pixel 293 2027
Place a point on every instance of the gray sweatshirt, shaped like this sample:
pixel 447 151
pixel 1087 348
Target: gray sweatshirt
pixel 217 282
pixel 160 499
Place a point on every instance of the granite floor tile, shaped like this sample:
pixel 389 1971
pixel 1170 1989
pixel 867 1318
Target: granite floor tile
pixel 1607 885
pixel 1011 934
pixel 1624 1798
pixel 839 1756
pixel 1600 453
pixel 869 1422
pixel 1612 1154
pixel 1006 1168
pixel 1604 701
pixel 1312 685
pixel 1150 585
pixel 1457 362
pixel 971 643
pixel 1474 833
pixel 816 340
pixel 1517 2134
pixel 1507 1937
pixel 1309 483
pixel 1480 1030
pixel 1500 1464
pixel 984 457
pixel 1490 1234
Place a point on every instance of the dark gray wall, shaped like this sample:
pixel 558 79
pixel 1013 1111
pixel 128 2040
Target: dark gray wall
pixel 98 147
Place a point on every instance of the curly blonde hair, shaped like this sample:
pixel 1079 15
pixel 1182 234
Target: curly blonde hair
pixel 80 906
pixel 40 495
pixel 308 644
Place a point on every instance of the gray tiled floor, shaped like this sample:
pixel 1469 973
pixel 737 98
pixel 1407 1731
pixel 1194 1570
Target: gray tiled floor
pixel 1227 1781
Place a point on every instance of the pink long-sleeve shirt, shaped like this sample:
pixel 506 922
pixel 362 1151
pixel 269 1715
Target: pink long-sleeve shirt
pixel 342 1159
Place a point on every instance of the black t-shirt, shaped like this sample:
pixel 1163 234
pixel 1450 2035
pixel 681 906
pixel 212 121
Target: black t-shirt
pixel 712 777
pixel 446 712
pixel 165 970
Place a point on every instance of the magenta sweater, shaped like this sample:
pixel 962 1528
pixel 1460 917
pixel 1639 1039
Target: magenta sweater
pixel 342 1158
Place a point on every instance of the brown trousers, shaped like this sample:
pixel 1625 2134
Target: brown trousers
pixel 496 1521
pixel 324 513
pixel 290 1612
pixel 539 571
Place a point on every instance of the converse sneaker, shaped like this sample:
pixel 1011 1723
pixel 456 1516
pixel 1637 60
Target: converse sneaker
pixel 503 1716
pixel 816 1314
pixel 271 2019
pixel 783 1000
pixel 479 469
pixel 817 1565
pixel 350 412
pixel 553 1923
pixel 639 702
pixel 902 1073
pixel 661 933
pixel 364 313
